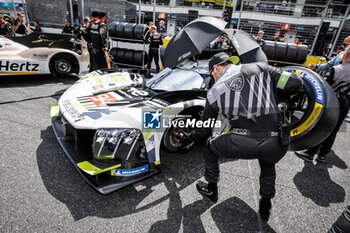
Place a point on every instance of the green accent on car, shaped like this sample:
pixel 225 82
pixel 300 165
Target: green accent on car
pixel 149 131
pixel 282 81
pixel 91 169
pixel 55 110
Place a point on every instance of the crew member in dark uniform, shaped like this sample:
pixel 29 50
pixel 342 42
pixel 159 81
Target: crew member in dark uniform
pixel 155 40
pixel 4 26
pixel 86 34
pixel 99 41
pixel 220 43
pixel 68 27
pixel 19 25
pixel 339 79
pixel 245 95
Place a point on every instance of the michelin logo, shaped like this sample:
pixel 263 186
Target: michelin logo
pixel 130 172
pixel 152 120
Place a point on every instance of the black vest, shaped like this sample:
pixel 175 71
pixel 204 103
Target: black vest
pixel 95 36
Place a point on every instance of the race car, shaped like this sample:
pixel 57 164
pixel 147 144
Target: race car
pixel 41 53
pixel 112 124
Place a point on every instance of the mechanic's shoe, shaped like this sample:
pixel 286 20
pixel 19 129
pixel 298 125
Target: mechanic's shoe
pixel 304 155
pixel 265 208
pixel 208 190
pixel 321 159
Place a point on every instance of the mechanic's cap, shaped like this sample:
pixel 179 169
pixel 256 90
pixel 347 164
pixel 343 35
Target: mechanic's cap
pixel 95 14
pixel 221 58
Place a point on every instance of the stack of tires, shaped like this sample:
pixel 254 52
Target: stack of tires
pixel 128 56
pixel 128 31
pixel 285 52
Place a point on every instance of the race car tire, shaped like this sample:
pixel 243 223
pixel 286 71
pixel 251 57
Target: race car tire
pixel 316 112
pixel 129 30
pixel 140 31
pixel 119 32
pixel 138 57
pixel 280 51
pixel 113 52
pixel 112 29
pixel 170 143
pixel 63 64
pixel 302 53
pixel 129 56
pixel 120 56
pixel 269 49
pixel 291 52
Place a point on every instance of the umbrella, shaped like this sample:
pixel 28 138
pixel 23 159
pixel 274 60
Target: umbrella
pixel 246 46
pixel 192 40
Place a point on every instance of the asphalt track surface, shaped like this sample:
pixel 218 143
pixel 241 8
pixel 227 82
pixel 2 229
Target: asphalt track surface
pixel 41 190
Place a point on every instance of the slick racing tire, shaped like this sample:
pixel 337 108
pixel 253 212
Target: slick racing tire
pixel 63 64
pixel 313 112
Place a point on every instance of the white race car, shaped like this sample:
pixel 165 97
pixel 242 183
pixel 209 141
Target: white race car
pixel 38 53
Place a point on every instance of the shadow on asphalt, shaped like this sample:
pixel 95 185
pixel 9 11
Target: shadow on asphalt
pixel 178 172
pixel 314 181
pixel 33 80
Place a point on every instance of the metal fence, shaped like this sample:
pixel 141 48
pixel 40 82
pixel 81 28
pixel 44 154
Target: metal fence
pixel 321 25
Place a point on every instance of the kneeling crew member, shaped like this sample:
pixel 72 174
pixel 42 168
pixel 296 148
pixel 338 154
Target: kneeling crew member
pixel 245 94
pixel 99 41
pixel 155 40
pixel 339 79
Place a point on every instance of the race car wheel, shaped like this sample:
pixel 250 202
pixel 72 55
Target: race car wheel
pixel 62 65
pixel 171 141
pixel 313 112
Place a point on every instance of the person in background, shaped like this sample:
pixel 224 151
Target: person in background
pixel 68 27
pixel 36 27
pixel 297 40
pixel 277 37
pixel 150 24
pixel 260 36
pixel 162 29
pixel 339 79
pixel 19 26
pixel 155 40
pixel 4 26
pixel 99 41
pixel 333 62
pixel 219 44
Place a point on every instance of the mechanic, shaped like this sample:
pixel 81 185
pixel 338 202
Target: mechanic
pixel 162 28
pixel 98 31
pixel 333 62
pixel 86 34
pixel 68 27
pixel 155 40
pixel 19 26
pixel 244 94
pixel 342 225
pixel 339 79
pixel 4 26
pixel 277 37
pixel 220 43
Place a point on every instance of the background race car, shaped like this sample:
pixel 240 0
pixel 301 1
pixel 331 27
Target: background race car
pixel 41 53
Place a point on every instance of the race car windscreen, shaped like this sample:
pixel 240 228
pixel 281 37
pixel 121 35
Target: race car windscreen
pixel 175 80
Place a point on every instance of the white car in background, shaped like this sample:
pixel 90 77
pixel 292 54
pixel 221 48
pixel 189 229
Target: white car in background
pixel 18 58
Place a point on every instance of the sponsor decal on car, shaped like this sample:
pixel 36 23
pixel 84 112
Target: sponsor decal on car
pixel 129 172
pixel 103 99
pixel 40 55
pixel 318 107
pixel 13 66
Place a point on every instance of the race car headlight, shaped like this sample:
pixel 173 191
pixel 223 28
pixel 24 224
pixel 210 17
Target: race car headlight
pixel 112 145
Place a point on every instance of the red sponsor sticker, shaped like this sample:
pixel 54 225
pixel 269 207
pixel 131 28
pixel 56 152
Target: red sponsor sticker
pixel 97 87
pixel 103 99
